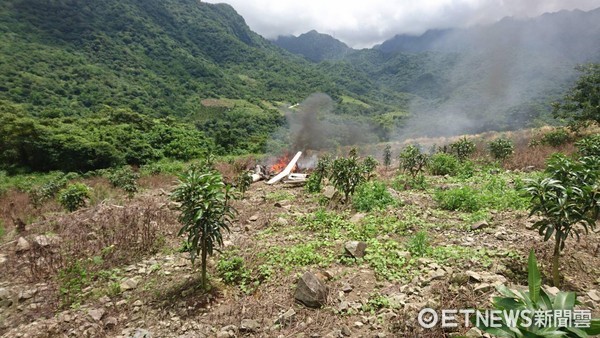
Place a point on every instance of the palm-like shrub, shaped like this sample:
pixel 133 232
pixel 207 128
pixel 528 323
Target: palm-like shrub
pixel 204 203
pixel 348 172
pixel 534 300
pixel 387 156
pixel 568 201
pixel 313 184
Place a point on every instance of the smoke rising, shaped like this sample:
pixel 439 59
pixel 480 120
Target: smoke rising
pixel 505 76
pixel 313 125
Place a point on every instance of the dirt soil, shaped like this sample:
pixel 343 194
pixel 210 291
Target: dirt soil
pixel 152 291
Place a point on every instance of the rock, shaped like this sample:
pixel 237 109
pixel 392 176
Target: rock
pixel 228 328
pixel 480 225
pixel 483 288
pixel 474 333
pixel 551 290
pixel 141 333
pixel 286 318
pixel 501 236
pixel 96 314
pixel 329 192
pixel 129 284
pixel 436 274
pixel 594 295
pixel 282 221
pixel 404 254
pixel 5 298
pixel 347 288
pixel 346 331
pixel 27 294
pixel 310 291
pixel 357 218
pixel 249 325
pixel 104 299
pixel 253 218
pixel 358 324
pixel 3 259
pixel 343 306
pixel 23 245
pixel 138 303
pixel 45 240
pixel 474 276
pixel 355 249
pixel 110 322
pixel 225 334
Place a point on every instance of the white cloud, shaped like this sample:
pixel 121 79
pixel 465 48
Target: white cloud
pixel 365 23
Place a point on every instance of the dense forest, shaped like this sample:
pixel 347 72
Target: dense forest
pixel 87 85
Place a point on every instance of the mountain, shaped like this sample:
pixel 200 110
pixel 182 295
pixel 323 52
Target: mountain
pixel 90 84
pixel 314 46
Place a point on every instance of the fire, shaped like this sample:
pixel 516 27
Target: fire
pixel 281 163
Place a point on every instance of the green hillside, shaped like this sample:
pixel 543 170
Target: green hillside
pixel 76 58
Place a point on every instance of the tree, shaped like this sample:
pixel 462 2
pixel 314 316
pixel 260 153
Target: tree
pixel 581 105
pixel 204 202
pixel 387 156
pixel 568 201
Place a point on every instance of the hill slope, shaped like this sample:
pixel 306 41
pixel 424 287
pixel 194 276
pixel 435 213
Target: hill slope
pixel 314 46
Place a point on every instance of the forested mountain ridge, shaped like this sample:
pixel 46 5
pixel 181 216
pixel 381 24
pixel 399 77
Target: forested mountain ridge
pixel 85 79
pixel 314 46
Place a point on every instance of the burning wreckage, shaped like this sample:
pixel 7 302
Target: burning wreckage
pixel 287 176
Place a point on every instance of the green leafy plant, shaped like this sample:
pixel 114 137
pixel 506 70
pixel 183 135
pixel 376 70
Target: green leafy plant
pixel 404 182
pixel 501 148
pixel 387 156
pixel 124 178
pixel 74 196
pixel 581 105
pixel 463 148
pixel 369 165
pixel 568 201
pixel 412 161
pixel 443 164
pixel 556 138
pixel 243 182
pixel 418 244
pixel 41 193
pixel 533 300
pixel 462 199
pixel 71 281
pixel 315 180
pixel 204 202
pixel 347 173
pixel 589 146
pixel 372 195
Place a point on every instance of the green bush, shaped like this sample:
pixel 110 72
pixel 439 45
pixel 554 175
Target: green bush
pixel 39 194
pixel 232 270
pixel 463 148
pixel 462 199
pixel 372 195
pixel 74 196
pixel 556 137
pixel 124 178
pixel 412 161
pixel 347 173
pixel 313 184
pixel 404 182
pixel 501 148
pixel 443 164
pixel 387 156
pixel 589 146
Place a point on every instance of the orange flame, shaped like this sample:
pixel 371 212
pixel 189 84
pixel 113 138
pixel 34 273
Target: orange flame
pixel 281 163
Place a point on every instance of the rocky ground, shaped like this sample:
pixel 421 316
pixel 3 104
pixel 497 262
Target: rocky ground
pixel 285 242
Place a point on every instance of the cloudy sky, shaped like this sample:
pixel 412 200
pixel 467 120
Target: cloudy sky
pixel 368 22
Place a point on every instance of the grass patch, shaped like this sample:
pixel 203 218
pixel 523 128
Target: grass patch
pixel 372 196
pixel 287 258
pixel 278 196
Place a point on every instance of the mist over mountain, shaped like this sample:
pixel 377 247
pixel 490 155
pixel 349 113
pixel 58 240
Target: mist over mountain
pixel 499 76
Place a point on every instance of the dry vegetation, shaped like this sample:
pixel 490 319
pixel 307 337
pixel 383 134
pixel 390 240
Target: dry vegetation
pixel 122 256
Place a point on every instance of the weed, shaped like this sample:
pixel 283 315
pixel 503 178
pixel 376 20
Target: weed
pixel 74 196
pixel 375 303
pixel 384 259
pixel 418 244
pixel 71 280
pixel 290 257
pixel 556 137
pixel 278 196
pixel 461 199
pixel 372 196
pixel 501 148
pixel 403 182
pixel 463 148
pixel 2 230
pixel 443 164
pixel 124 178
